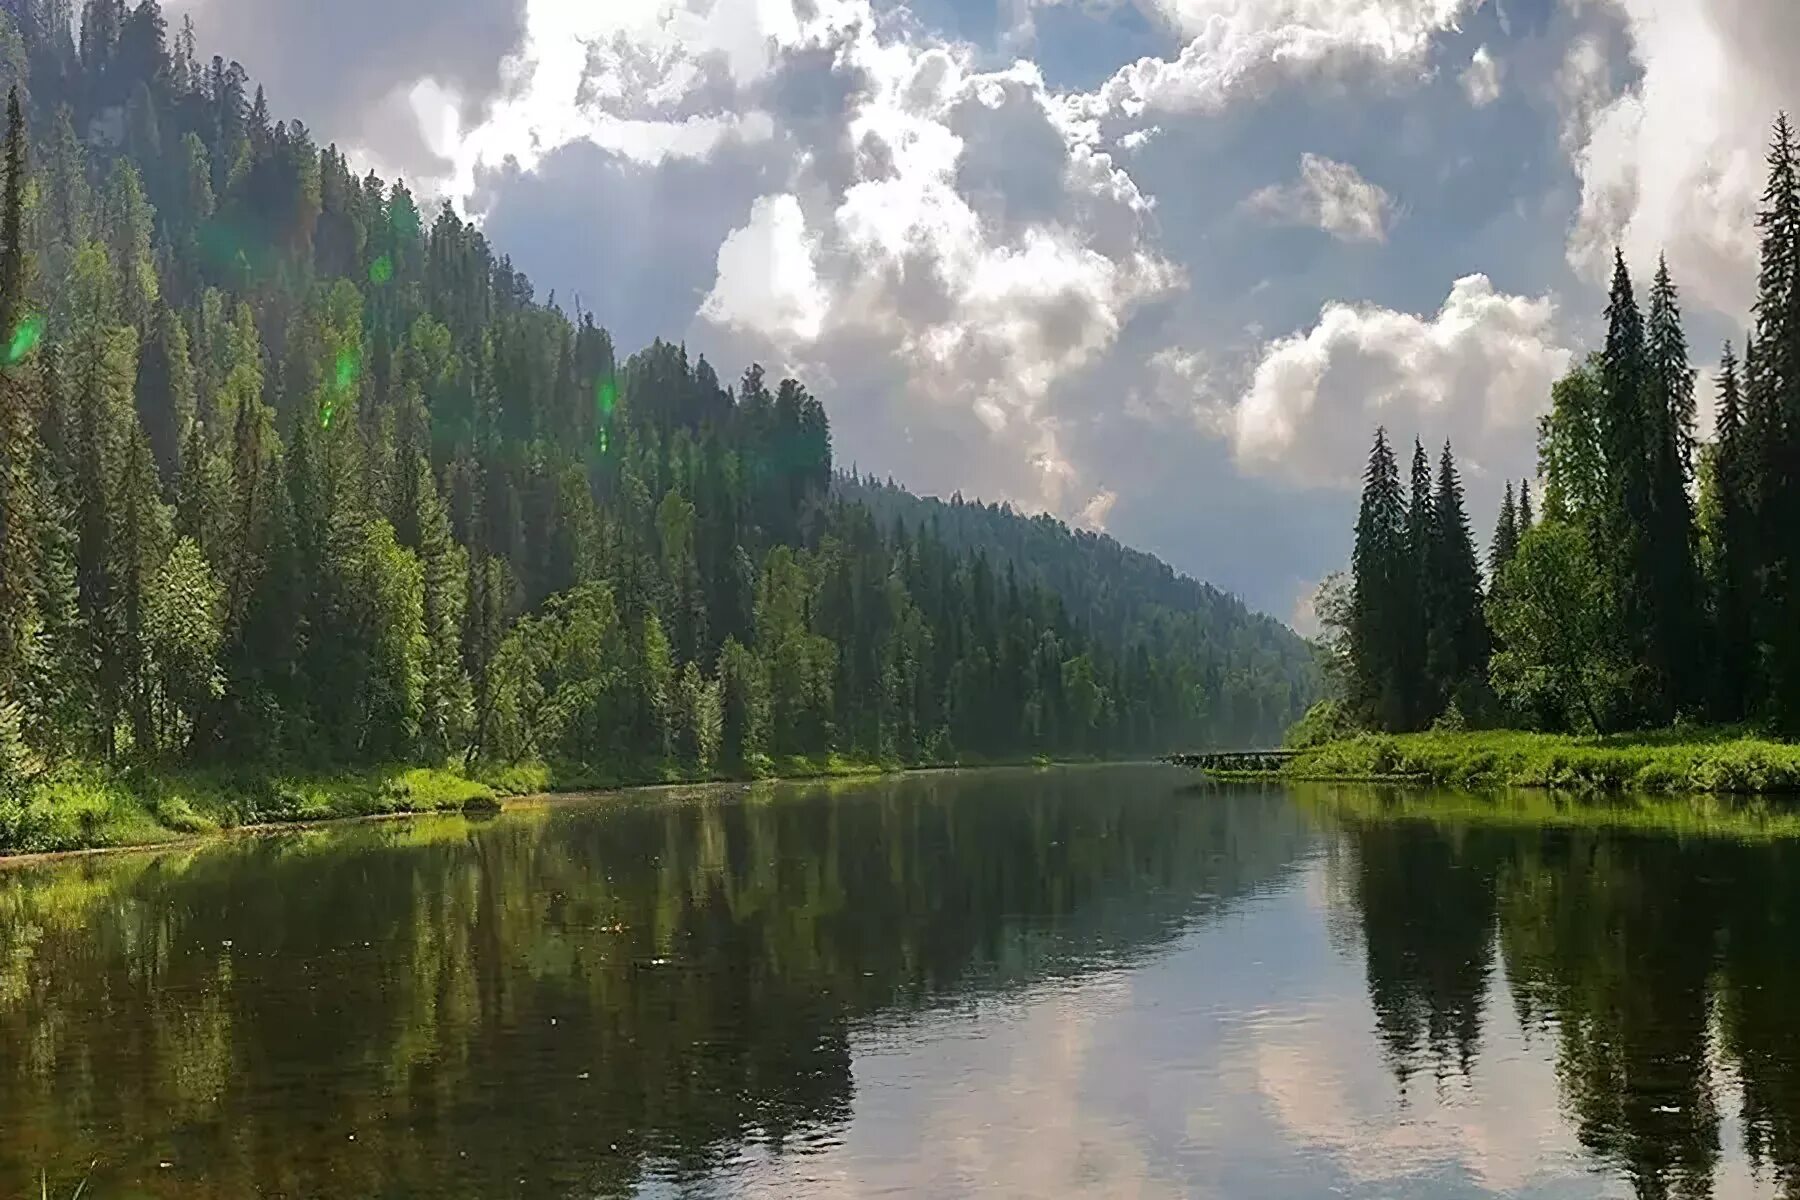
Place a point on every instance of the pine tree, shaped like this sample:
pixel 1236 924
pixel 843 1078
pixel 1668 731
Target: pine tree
pixel 447 698
pixel 1733 566
pixel 1506 537
pixel 15 271
pixel 1422 694
pixel 1457 638
pixel 1379 600
pixel 1678 631
pixel 138 547
pixel 20 451
pixel 1623 542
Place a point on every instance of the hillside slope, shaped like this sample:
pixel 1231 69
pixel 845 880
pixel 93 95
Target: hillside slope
pixel 293 473
pixel 1123 597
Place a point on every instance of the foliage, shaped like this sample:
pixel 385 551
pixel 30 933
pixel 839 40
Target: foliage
pixel 293 474
pixel 1724 760
pixel 1663 584
pixel 1556 667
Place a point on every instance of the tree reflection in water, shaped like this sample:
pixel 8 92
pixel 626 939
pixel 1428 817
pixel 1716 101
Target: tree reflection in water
pixel 567 999
pixel 1664 965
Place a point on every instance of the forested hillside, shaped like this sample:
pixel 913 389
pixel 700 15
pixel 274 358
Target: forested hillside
pixel 291 471
pixel 1253 666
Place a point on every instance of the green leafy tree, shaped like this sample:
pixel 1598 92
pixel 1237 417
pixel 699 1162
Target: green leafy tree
pixel 1556 661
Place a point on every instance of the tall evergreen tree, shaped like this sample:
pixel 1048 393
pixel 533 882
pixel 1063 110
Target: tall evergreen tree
pixel 1506 536
pixel 1458 636
pixel 15 272
pixel 1733 566
pixel 1772 418
pixel 1675 602
pixel 1525 519
pixel 1380 576
pixel 1623 543
pixel 1423 695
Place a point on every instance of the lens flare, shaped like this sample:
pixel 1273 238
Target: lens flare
pixel 25 339
pixel 606 399
pixel 341 386
pixel 381 270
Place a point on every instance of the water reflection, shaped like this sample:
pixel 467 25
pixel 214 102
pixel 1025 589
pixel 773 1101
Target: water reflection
pixel 571 1000
pixel 1659 969
pixel 1024 984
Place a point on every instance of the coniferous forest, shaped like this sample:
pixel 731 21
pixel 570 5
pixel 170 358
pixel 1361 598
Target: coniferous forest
pixel 1659 583
pixel 294 472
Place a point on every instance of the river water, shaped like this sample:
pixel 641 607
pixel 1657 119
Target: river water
pixel 1082 982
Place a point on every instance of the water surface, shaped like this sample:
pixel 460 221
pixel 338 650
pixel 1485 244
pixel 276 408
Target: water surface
pixel 1085 982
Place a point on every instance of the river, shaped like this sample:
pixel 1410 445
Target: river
pixel 1076 982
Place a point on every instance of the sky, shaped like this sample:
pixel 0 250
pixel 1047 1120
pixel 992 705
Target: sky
pixel 1159 267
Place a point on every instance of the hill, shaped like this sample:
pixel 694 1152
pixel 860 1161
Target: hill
pixel 293 473
pixel 1253 669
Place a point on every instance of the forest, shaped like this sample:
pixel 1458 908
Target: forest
pixel 1657 586
pixel 294 472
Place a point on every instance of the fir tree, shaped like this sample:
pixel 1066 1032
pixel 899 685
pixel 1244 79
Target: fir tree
pixel 1422 696
pixel 1380 579
pixel 1625 520
pixel 1733 566
pixel 1675 602
pixel 1458 637
pixel 1506 536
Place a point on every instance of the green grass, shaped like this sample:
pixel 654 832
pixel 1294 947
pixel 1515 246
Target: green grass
pixel 87 808
pixel 1740 818
pixel 84 808
pixel 1723 761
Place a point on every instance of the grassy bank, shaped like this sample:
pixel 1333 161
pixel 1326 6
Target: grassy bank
pixel 1739 818
pixel 84 808
pixel 1667 762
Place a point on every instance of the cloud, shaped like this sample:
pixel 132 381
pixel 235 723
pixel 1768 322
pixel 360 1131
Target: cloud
pixel 1331 196
pixel 1240 48
pixel 767 281
pixel 1674 163
pixel 1481 79
pixel 1478 372
pixel 953 250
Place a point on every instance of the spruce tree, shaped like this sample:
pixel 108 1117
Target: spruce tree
pixel 1525 519
pixel 1622 533
pixel 1675 603
pixel 15 271
pixel 1422 691
pixel 20 450
pixel 1772 392
pixel 1732 564
pixel 1457 637
pixel 1506 537
pixel 1379 579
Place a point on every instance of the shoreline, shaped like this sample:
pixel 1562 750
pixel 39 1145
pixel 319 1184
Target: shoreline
pixel 457 794
pixel 1669 762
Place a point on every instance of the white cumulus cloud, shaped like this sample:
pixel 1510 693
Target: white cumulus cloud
pixel 1481 78
pixel 767 281
pixel 1477 373
pixel 1675 162
pixel 1239 48
pixel 1331 196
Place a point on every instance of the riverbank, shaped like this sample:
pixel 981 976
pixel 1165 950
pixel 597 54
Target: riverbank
pixel 1669 762
pixel 85 808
